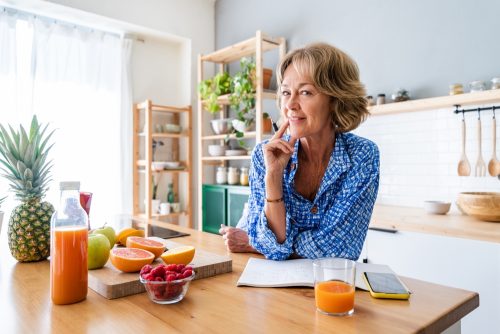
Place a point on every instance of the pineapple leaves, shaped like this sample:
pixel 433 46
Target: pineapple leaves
pixel 23 159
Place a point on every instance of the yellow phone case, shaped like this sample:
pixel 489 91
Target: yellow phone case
pixel 386 295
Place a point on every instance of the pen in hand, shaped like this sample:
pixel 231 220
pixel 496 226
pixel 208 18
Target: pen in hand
pixel 275 127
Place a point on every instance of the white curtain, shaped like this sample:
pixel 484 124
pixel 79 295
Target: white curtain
pixel 78 81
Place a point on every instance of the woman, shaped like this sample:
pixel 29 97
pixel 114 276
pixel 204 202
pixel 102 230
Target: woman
pixel 313 189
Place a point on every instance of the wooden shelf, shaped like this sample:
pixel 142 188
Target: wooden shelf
pixel 167 171
pixel 246 135
pixel 242 49
pixel 221 158
pixel 167 109
pixel 143 174
pixel 157 215
pixel 266 94
pixel 479 98
pixel 166 135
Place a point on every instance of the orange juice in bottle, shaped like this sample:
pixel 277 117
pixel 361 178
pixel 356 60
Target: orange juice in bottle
pixel 68 248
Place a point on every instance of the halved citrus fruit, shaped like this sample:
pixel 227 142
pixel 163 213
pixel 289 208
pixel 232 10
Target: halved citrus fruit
pixel 130 260
pixel 179 255
pixel 155 247
pixel 121 238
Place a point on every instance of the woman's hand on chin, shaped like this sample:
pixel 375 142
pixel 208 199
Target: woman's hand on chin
pixel 277 151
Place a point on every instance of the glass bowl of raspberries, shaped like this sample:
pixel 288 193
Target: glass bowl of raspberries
pixel 166 284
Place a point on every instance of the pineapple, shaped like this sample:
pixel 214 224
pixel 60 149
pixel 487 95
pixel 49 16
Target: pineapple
pixel 23 161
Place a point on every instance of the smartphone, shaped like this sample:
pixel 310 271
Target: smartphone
pixel 386 285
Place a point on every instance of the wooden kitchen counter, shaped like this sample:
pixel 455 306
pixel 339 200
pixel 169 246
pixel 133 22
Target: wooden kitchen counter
pixel 216 305
pixel 449 225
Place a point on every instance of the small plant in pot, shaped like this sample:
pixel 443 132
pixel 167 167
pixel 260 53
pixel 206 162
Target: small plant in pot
pixel 211 89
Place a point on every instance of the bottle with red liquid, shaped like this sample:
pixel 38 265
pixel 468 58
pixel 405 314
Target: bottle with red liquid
pixel 85 201
pixel 68 248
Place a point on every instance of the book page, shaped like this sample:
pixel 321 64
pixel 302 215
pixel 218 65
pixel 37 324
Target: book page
pixel 268 273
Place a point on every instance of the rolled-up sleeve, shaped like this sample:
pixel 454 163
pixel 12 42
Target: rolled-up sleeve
pixel 262 238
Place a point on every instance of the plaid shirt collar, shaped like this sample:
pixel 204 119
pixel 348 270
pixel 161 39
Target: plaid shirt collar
pixel 340 162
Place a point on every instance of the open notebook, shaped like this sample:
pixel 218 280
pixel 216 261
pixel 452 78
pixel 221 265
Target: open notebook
pixel 267 273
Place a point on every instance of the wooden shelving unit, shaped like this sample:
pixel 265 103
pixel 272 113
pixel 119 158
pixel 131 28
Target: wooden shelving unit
pixel 142 168
pixel 478 98
pixel 254 47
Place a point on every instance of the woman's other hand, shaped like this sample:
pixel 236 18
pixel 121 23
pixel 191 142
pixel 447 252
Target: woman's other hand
pixel 236 240
pixel 277 151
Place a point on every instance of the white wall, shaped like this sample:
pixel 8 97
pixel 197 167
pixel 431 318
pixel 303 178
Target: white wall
pixel 419 154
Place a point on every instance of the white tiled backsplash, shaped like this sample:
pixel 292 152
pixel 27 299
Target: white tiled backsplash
pixel 419 154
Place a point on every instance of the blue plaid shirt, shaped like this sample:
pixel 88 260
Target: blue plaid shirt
pixel 334 224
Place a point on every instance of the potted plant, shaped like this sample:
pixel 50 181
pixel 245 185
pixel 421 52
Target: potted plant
pixel 242 98
pixel 211 89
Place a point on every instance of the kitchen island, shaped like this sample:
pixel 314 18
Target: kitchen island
pixel 216 305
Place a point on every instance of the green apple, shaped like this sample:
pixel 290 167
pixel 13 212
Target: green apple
pixel 109 232
pixel 98 251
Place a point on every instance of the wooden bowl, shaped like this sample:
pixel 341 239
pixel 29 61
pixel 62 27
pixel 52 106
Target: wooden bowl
pixel 481 205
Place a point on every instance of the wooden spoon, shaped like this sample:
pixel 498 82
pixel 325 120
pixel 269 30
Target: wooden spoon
pixel 494 164
pixel 463 165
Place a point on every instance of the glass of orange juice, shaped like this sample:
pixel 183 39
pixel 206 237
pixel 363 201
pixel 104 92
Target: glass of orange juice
pixel 334 285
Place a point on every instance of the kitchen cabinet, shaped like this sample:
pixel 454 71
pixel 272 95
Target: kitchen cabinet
pixel 253 47
pixel 222 204
pixel 149 124
pixel 461 263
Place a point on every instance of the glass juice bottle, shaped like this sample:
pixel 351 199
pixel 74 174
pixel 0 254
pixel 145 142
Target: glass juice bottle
pixel 68 248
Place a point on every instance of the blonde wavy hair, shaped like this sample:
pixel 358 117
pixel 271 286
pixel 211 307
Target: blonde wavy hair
pixel 333 73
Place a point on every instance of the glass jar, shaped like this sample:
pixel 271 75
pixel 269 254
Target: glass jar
pixel 495 83
pixel 477 86
pixel 232 175
pixel 244 176
pixel 221 175
pixel 68 248
pixel 380 99
pixel 456 89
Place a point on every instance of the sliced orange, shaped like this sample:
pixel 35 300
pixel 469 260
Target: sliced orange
pixel 179 255
pixel 130 260
pixel 155 247
pixel 121 238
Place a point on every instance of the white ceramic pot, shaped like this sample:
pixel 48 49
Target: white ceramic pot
pixel 1 220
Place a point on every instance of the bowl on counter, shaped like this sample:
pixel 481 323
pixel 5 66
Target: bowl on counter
pixel 167 292
pixel 481 205
pixel 437 207
pixel 221 126
pixel 217 150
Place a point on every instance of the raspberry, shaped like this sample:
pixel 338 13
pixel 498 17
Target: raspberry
pixel 187 273
pixel 159 279
pixel 187 268
pixel 171 267
pixel 180 267
pixel 146 269
pixel 148 277
pixel 171 277
pixel 158 272
pixel 179 276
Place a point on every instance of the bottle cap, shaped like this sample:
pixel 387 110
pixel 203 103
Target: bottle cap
pixel 69 185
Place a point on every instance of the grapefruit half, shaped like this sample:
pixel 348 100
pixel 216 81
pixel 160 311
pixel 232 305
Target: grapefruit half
pixel 130 260
pixel 155 247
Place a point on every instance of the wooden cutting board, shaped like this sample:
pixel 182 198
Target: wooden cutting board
pixel 112 283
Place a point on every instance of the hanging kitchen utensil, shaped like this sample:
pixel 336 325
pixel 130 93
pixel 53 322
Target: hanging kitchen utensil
pixel 494 164
pixel 463 165
pixel 480 169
